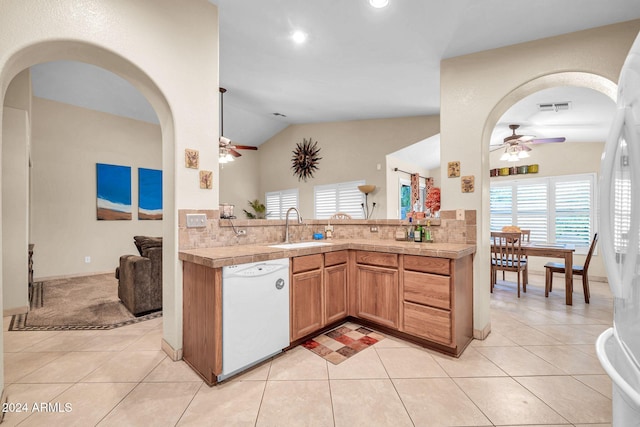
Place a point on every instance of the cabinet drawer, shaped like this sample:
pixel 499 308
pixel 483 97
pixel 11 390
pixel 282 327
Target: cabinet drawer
pixel 427 322
pixel 429 289
pixel 427 264
pixel 377 258
pixel 306 263
pixel 334 258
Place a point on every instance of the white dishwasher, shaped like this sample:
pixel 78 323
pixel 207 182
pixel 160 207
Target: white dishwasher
pixel 255 313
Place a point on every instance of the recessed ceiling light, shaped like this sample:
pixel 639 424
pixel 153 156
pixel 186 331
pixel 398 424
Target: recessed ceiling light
pixel 379 3
pixel 299 37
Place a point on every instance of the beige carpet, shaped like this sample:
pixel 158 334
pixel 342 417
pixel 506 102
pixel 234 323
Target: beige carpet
pixel 88 302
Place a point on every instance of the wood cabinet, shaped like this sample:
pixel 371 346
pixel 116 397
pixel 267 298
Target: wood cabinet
pixel 376 279
pixel 202 320
pixel 437 300
pixel 318 292
pixel 307 295
pixel 335 286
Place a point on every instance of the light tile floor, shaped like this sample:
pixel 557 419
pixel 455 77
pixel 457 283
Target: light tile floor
pixel 537 367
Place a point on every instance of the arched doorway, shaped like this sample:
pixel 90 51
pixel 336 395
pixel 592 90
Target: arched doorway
pixel 175 69
pixel 85 52
pixel 603 90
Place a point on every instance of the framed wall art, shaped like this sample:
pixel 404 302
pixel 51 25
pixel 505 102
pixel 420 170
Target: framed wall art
pixel 468 183
pixel 206 180
pixel 113 192
pixel 149 194
pixel 191 158
pixel 453 169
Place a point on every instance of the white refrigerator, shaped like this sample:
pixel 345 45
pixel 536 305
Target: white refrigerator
pixel 618 348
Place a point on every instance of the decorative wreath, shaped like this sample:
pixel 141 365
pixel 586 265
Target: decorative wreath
pixel 305 159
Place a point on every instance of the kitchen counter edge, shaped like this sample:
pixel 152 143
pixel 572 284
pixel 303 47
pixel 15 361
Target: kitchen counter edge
pixel 222 256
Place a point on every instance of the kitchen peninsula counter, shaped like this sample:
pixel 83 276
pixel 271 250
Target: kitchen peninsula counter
pixel 422 292
pixel 223 256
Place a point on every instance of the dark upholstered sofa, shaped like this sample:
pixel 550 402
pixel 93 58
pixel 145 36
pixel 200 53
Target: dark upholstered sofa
pixel 140 277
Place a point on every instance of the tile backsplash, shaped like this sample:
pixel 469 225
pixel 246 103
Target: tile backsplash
pixel 225 232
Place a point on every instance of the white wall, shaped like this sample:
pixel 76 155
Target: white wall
pixel 68 141
pixel 16 130
pixel 240 181
pixel 15 205
pixel 492 81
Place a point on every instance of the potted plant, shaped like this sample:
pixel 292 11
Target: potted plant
pixel 259 210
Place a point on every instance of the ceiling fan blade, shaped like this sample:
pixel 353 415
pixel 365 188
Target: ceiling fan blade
pixel 547 140
pixel 495 147
pixel 245 147
pixel 234 153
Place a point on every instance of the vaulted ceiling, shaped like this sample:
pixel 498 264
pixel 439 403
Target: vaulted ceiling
pixel 357 62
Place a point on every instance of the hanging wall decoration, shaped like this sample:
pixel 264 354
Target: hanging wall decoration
pixel 113 192
pixel 191 158
pixel 468 183
pixel 206 180
pixel 453 169
pixel 305 159
pixel 149 194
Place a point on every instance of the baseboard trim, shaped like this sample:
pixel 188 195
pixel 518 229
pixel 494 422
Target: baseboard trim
pixel 17 310
pixel 70 276
pixel 481 334
pixel 173 354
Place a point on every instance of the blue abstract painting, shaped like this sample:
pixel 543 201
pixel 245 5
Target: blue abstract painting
pixel 114 192
pixel 149 193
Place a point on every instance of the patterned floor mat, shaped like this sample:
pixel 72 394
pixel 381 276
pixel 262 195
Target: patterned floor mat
pixel 341 343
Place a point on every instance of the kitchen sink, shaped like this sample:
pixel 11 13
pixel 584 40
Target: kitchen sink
pixel 299 245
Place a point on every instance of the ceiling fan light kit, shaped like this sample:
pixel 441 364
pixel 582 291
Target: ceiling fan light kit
pixel 226 147
pixel 516 147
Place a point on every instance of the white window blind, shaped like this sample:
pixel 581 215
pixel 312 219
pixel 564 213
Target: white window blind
pixel 279 201
pixel 501 207
pixel 558 209
pixel 573 202
pixel 342 197
pixel 532 208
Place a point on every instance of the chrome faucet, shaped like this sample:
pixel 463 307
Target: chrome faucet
pixel 286 223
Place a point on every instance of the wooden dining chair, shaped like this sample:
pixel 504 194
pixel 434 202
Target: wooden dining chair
pixel 526 237
pixel 340 215
pixel 507 255
pixel 559 267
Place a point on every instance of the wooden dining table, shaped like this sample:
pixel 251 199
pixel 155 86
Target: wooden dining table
pixel 555 250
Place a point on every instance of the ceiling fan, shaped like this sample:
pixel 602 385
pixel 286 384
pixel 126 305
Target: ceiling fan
pixel 227 148
pixel 516 146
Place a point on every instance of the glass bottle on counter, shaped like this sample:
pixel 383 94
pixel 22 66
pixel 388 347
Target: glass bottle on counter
pixel 411 230
pixel 417 235
pixel 427 233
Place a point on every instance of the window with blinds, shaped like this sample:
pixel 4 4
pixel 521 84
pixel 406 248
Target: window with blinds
pixel 558 209
pixel 279 201
pixel 342 197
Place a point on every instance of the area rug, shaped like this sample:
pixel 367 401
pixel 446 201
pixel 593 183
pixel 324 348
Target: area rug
pixel 341 343
pixel 78 303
